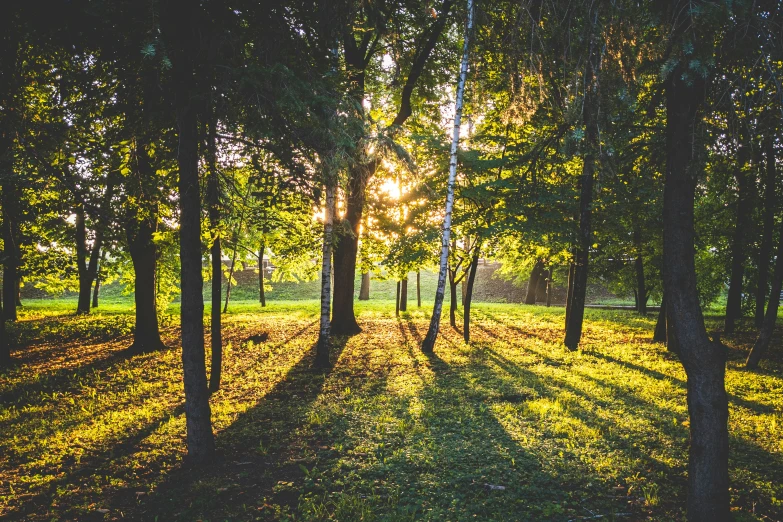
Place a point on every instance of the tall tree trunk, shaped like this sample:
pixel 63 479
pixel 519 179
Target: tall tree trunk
pixel 532 282
pixel 549 288
pixel 767 329
pixel 569 293
pixel 5 350
pixel 659 335
pixel 404 295
pixel 364 290
pixel 143 252
pixel 85 284
pixel 215 250
pixel 590 118
pixel 738 246
pixel 469 293
pixel 179 24
pixel 640 286
pixel 345 252
pixel 261 296
pixel 428 345
pixel 418 288
pixel 10 252
pixel 231 272
pixel 96 290
pixel 765 249
pixel 453 307
pixel 541 286
pixel 323 345
pixel 397 300
pixel 98 274
pixel 703 360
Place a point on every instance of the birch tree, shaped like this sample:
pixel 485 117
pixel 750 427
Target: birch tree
pixel 428 345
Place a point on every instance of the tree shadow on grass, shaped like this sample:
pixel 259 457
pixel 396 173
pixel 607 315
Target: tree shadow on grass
pixel 92 465
pixel 260 450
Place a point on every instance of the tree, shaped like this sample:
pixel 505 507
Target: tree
pixel 428 345
pixel 180 25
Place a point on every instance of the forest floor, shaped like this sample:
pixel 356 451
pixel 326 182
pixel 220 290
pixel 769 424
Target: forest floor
pixel 512 426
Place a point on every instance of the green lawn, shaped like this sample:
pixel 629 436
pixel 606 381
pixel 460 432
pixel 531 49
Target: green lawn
pixel 510 427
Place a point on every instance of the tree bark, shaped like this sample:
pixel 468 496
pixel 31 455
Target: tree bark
pixel 231 272
pixel 404 295
pixel 345 252
pixel 659 334
pixel 261 295
pixel 97 289
pixel 541 286
pixel 641 288
pixel 532 282
pixel 85 284
pixel 5 351
pixel 364 290
pixel 418 288
pixel 215 250
pixel 765 249
pixel 179 24
pixel 590 119
pixel 397 301
pixel 703 360
pixel 469 294
pixel 323 345
pixel 767 329
pixel 428 345
pixel 569 293
pixel 739 241
pixel 10 252
pixel 144 253
pixel 549 289
pixel 453 305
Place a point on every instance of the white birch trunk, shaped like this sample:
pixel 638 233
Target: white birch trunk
pixel 322 350
pixel 428 345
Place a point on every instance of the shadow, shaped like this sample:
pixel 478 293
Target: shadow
pixel 92 464
pixel 259 449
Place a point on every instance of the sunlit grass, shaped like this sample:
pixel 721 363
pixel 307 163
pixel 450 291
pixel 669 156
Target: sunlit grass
pixel 510 427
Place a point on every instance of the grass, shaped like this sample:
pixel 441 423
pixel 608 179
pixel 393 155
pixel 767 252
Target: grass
pixel 510 427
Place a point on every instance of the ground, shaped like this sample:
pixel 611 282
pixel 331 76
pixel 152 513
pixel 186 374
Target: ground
pixel 509 427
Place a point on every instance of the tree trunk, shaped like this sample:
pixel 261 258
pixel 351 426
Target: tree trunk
pixel 541 285
pixel 428 345
pixel 590 118
pixel 641 288
pixel 85 284
pixel 179 24
pixel 549 289
pixel 469 294
pixel 5 350
pixel 345 252
pixel 231 272
pixel 569 293
pixel 364 290
pixel 322 348
pixel 765 249
pixel 703 360
pixel 404 295
pixel 143 252
pixel 418 288
pixel 767 329
pixel 215 250
pixel 261 296
pixel 635 300
pixel 532 282
pixel 659 335
pixel 739 241
pixel 97 289
pixel 397 301
pixel 10 252
pixel 453 307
